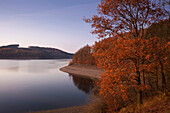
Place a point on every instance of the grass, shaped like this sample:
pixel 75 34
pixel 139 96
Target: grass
pixel 156 104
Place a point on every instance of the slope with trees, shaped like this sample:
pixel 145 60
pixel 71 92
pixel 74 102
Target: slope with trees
pixel 129 54
pixel 33 52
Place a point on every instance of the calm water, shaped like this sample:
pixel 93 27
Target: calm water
pixel 33 85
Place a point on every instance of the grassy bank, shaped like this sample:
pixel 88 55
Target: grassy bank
pixel 155 104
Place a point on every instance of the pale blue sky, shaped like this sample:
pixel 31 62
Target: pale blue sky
pixel 49 23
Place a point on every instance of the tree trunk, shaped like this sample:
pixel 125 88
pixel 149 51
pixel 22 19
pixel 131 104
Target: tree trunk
pixel 157 87
pixel 164 85
pixel 139 92
pixel 143 77
pixel 149 82
pixel 139 98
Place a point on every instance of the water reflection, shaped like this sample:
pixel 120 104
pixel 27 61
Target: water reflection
pixel 35 85
pixel 84 84
pixel 9 66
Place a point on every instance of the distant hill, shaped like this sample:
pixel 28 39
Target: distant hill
pixel 32 52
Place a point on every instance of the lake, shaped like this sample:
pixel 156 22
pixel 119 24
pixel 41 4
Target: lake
pixel 35 85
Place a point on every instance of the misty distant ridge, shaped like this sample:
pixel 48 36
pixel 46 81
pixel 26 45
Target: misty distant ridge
pixel 13 51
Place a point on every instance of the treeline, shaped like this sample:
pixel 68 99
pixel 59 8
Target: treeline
pixel 33 52
pixel 84 56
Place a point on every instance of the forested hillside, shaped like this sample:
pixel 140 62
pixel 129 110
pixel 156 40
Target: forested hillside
pixel 32 52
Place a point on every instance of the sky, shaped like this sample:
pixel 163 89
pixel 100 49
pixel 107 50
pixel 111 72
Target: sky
pixel 48 23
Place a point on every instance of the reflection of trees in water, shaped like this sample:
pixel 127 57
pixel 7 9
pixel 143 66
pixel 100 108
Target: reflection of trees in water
pixel 84 84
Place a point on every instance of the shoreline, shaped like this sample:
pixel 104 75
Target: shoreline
pixel 83 70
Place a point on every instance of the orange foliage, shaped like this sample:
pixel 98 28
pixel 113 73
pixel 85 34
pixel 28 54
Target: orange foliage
pixel 124 60
pixel 84 56
pixel 127 53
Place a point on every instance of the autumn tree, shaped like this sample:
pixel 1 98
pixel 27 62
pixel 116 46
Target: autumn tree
pixel 115 17
pixel 126 53
pixel 84 56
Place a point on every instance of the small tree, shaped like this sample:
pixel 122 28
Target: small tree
pixel 84 56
